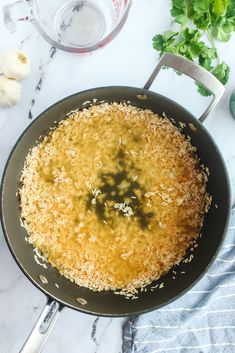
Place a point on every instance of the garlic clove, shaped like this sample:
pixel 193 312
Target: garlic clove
pixel 10 91
pixel 15 64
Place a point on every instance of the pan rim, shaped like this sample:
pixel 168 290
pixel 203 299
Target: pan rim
pixel 83 310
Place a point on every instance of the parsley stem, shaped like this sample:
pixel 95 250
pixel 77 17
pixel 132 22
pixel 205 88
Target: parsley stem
pixel 211 39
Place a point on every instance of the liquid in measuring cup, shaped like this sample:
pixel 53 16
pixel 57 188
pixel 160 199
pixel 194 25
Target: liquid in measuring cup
pixel 84 23
pixel 77 26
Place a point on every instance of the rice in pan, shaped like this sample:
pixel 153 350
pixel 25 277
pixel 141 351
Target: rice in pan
pixel 113 197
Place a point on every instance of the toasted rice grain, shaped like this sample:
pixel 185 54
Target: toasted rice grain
pixel 65 167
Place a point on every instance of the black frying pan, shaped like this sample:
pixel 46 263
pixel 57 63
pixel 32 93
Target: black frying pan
pixel 66 293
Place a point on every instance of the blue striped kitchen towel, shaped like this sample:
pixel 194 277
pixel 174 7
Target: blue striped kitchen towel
pixel 202 321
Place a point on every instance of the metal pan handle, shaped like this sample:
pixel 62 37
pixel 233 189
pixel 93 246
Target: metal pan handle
pixel 43 327
pixel 194 71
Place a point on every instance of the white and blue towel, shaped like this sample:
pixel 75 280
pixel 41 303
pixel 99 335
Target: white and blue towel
pixel 201 321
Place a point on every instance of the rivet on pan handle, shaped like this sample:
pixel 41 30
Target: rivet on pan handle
pixel 193 70
pixel 42 328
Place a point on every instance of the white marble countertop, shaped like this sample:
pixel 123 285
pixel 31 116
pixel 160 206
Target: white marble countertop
pixel 128 60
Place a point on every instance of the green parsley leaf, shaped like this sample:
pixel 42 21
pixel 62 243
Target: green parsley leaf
pixel 175 12
pixel 189 8
pixel 209 52
pixel 222 72
pixel 162 41
pixel 222 29
pixel 219 7
pixel 177 8
pixel 197 19
pixel 206 63
pixel 181 19
pixel 196 48
pixel 230 9
pixel 189 35
pixel 168 35
pixel 178 3
pixel 202 20
pixel 202 16
pixel 158 42
pixel 201 6
pixel 202 90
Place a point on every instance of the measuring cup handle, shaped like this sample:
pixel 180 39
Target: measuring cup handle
pixel 194 71
pixel 16 11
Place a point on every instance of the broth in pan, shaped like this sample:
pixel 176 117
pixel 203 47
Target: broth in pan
pixel 113 197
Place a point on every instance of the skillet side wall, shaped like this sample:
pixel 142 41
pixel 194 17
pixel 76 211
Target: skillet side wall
pixel 105 303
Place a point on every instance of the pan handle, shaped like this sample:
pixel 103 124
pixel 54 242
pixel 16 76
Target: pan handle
pixel 194 71
pixel 43 327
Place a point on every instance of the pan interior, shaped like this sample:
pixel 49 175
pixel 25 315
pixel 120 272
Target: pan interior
pixel 107 303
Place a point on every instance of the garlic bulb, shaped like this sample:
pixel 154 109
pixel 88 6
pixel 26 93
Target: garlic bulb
pixel 14 64
pixel 10 91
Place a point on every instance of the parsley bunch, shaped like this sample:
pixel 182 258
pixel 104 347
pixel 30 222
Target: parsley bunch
pixel 198 20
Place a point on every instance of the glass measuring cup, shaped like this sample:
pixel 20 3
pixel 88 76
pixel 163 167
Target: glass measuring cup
pixel 80 26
